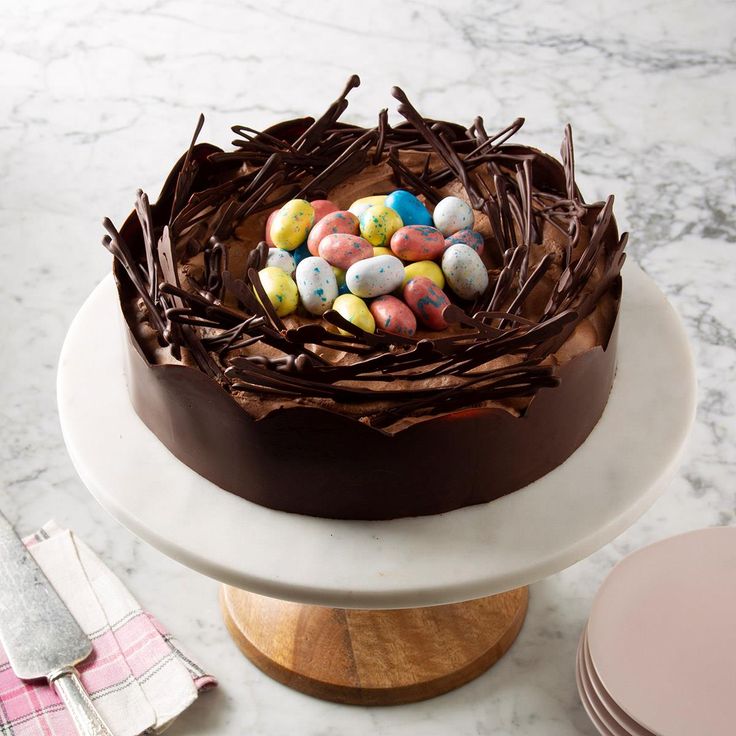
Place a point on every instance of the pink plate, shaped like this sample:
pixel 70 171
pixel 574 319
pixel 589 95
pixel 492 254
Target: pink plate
pixel 611 725
pixel 628 724
pixel 592 714
pixel 662 637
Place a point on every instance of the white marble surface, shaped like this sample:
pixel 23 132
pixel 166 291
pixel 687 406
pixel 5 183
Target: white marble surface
pixel 97 98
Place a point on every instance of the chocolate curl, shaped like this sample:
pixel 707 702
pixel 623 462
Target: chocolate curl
pixel 145 217
pixel 115 243
pixel 313 134
pixel 186 176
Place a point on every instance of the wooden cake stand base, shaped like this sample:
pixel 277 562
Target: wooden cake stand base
pixel 373 657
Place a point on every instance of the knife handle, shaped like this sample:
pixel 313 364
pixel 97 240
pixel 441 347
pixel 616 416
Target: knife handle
pixel 69 687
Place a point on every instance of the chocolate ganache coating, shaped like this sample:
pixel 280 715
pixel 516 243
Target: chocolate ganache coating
pixel 292 414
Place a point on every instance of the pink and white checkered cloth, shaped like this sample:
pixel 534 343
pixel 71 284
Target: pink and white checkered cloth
pixel 137 675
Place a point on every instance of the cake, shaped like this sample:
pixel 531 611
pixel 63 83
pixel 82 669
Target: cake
pixel 313 412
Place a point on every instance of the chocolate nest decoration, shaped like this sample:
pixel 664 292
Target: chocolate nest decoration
pixel 215 190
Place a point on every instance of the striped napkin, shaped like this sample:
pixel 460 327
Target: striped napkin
pixel 137 674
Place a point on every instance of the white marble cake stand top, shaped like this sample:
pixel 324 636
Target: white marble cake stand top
pixel 597 493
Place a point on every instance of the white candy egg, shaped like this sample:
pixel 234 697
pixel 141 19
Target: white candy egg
pixel 465 271
pixel 317 284
pixel 281 259
pixel 375 276
pixel 452 214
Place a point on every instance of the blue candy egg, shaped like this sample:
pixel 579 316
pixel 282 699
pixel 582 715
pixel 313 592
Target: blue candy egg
pixel 410 209
pixel 300 254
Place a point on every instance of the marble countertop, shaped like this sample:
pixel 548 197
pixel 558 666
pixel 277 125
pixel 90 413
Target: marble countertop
pixel 99 98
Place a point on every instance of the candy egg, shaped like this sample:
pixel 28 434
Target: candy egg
pixel 375 276
pixel 361 205
pixel 339 275
pixel 427 301
pixel 418 243
pixel 452 214
pixel 317 284
pixel 280 290
pixel 381 250
pixel 291 224
pixel 300 253
pixel 428 269
pixel 393 316
pixel 411 210
pixel 336 222
pixel 321 208
pixel 269 222
pixel 469 237
pixel 344 249
pixel 354 310
pixel 342 287
pixel 378 223
pixel 281 259
pixel 464 270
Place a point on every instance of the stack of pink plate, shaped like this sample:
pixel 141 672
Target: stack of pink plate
pixel 658 655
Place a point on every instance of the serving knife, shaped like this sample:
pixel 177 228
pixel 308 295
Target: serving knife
pixel 39 634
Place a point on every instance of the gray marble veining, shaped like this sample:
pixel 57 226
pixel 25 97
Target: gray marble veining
pixel 98 98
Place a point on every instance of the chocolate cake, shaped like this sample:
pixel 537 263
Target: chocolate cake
pixel 313 414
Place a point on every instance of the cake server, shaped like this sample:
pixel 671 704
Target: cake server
pixel 39 634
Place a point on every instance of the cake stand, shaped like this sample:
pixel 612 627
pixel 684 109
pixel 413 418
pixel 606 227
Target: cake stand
pixel 387 611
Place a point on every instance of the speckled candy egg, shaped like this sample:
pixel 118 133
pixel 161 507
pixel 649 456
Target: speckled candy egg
pixel 281 259
pixel 468 237
pixel 267 234
pixel 427 301
pixel 418 243
pixel 378 223
pixel 428 269
pixel 344 249
pixel 411 210
pixel 317 284
pixel 300 253
pixel 322 207
pixel 291 224
pixel 341 221
pixel 361 205
pixel 354 310
pixel 382 250
pixel 452 214
pixel 464 270
pixel 280 290
pixel 393 316
pixel 375 276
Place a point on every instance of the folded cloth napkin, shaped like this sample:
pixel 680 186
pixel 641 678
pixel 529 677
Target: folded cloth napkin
pixel 137 675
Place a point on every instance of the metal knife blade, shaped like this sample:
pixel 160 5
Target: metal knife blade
pixel 37 630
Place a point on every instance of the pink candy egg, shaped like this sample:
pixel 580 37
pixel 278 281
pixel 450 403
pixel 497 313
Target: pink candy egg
pixel 418 243
pixel 344 249
pixel 393 316
pixel 467 237
pixel 268 228
pixel 427 301
pixel 341 221
pixel 322 207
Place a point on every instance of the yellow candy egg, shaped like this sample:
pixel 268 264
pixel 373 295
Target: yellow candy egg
pixel 428 269
pixel 361 205
pixel 291 224
pixel 379 250
pixel 354 310
pixel 339 275
pixel 378 223
pixel 280 289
